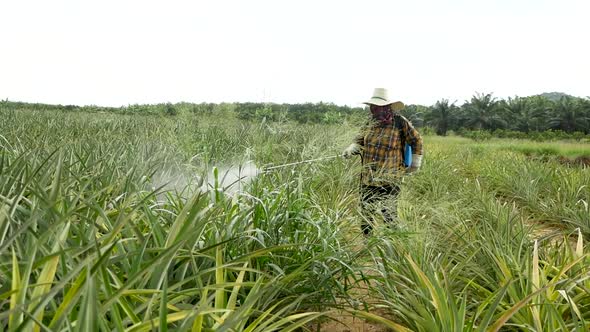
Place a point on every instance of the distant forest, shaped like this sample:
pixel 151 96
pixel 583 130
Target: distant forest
pixel 556 113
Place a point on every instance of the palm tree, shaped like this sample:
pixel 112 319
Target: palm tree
pixel 568 114
pixel 414 114
pixel 585 105
pixel 483 112
pixel 441 116
pixel 525 114
pixel 538 112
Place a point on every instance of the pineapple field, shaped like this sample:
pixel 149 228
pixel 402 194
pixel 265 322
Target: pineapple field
pixel 178 222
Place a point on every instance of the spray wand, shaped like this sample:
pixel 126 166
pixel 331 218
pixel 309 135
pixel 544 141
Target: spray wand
pixel 270 168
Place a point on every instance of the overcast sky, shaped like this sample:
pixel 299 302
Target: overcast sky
pixel 121 52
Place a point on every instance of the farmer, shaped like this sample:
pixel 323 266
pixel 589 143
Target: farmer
pixel 381 146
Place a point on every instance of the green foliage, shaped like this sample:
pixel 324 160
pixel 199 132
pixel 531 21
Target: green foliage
pixel 528 115
pixel 414 113
pixel 442 116
pixel 300 113
pixel 483 112
pixel 89 237
pixel 544 136
pixel 169 109
pixel 568 114
pixel 478 135
pixel 332 117
pixel 479 256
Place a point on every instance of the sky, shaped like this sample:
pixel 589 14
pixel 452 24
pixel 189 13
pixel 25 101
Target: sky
pixel 120 52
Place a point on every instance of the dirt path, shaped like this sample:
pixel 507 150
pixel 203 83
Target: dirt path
pixel 348 323
pixel 343 321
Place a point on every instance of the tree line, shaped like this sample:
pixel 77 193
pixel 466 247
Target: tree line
pixel 521 114
pixel 483 113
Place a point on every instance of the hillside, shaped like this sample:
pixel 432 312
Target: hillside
pixel 554 96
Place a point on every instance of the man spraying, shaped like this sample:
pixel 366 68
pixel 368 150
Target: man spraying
pixel 381 145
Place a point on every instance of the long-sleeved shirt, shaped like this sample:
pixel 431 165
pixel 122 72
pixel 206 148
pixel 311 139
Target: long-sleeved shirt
pixel 383 150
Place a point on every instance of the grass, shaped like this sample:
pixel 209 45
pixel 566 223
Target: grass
pixel 570 149
pixel 92 238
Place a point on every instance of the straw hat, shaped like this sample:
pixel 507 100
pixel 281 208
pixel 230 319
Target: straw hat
pixel 381 98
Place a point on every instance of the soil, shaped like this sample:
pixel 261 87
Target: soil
pixel 348 323
pixel 343 321
pixel 581 161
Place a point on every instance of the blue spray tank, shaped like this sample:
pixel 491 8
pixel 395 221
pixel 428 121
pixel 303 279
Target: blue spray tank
pixel 399 122
pixel 408 155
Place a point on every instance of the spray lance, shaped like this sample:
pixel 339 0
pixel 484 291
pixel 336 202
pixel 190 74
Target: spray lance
pixel 234 176
pixel 266 169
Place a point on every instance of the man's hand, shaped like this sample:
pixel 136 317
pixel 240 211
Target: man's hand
pixel 416 163
pixel 352 149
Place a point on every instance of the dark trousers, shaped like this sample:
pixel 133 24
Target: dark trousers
pixel 378 200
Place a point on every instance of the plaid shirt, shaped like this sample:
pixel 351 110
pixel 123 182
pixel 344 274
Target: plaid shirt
pixel 382 151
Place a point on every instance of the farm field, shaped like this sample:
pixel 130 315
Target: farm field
pixel 105 225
